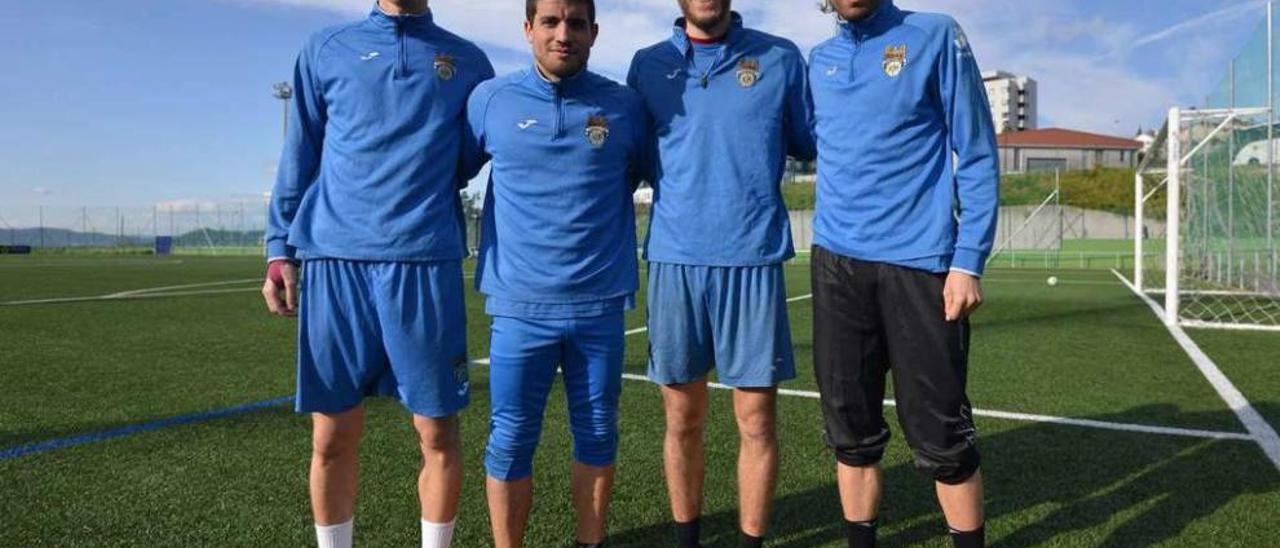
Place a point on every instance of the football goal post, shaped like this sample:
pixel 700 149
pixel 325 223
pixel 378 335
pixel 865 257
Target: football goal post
pixel 1210 177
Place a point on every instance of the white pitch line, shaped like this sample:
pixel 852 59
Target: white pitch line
pixel 152 292
pixel 187 286
pixel 191 293
pixel 1261 431
pixel 131 297
pixel 1025 417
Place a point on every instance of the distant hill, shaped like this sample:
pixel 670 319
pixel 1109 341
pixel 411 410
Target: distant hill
pixel 61 237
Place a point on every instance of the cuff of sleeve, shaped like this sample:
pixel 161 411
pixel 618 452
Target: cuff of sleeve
pixel 969 261
pixel 278 249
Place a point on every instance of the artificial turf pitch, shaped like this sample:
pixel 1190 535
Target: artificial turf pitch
pixel 1084 349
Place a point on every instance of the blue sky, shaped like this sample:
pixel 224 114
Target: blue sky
pixel 138 102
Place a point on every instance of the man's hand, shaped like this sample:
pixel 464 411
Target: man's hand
pixel 961 296
pixel 282 275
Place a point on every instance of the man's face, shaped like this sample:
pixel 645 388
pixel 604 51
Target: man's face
pixel 705 13
pixel 561 34
pixel 855 10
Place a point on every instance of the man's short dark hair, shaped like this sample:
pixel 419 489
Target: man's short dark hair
pixel 531 9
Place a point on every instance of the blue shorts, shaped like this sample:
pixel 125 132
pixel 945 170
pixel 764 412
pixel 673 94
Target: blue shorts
pixel 524 355
pixel 382 328
pixel 730 318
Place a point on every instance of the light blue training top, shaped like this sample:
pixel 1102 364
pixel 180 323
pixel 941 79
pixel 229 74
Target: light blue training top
pixel 908 171
pixel 370 163
pixel 726 116
pixel 558 231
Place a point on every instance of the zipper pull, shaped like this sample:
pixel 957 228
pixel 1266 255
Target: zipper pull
pixel 704 81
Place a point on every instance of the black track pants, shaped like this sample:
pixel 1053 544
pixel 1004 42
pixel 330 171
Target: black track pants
pixel 870 319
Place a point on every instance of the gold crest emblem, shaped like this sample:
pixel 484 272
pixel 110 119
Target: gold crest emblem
pixel 748 72
pixel 446 66
pixel 895 59
pixel 597 130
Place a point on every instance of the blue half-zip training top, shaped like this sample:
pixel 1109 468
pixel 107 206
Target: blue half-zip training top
pixel 725 118
pixel 558 230
pixel 907 165
pixel 370 163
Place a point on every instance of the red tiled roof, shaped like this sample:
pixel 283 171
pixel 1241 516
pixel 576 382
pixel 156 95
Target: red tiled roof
pixel 1063 138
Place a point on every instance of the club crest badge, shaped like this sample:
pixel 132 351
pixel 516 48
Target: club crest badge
pixel 446 66
pixel 895 59
pixel 597 130
pixel 748 72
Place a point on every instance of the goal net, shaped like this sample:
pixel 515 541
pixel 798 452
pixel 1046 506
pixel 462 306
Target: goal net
pixel 1211 176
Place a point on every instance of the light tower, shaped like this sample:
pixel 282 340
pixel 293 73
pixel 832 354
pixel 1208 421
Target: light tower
pixel 283 91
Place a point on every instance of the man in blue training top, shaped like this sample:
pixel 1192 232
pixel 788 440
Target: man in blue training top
pixel 367 197
pixel 907 197
pixel 557 259
pixel 728 105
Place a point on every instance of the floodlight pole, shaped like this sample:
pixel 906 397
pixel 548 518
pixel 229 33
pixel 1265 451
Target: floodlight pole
pixel 1173 217
pixel 283 91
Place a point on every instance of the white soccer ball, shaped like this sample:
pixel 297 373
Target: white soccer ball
pixel 1052 281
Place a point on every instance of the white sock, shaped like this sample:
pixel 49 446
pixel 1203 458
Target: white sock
pixel 437 535
pixel 334 536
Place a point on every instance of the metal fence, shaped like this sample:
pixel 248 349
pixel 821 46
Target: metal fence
pixel 226 227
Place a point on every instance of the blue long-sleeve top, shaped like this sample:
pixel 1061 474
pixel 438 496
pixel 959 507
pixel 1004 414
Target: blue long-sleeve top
pixel 726 116
pixel 370 163
pixel 558 229
pixel 908 171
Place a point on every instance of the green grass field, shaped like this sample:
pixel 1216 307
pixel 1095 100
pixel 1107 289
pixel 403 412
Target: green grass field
pixel 196 339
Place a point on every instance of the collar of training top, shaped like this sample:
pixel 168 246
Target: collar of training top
pixel 413 20
pixel 565 86
pixel 681 39
pixel 884 16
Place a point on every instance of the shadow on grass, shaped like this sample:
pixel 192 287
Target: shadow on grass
pixel 1042 481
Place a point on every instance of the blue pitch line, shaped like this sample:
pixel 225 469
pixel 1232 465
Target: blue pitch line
pixel 62 443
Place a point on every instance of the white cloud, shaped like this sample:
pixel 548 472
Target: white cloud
pixel 1230 14
pixel 42 191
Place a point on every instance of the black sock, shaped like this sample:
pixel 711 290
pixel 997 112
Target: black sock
pixel 969 539
pixel 747 541
pixel 688 533
pixel 861 534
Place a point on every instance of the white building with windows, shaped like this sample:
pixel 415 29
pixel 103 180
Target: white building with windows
pixel 1013 101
